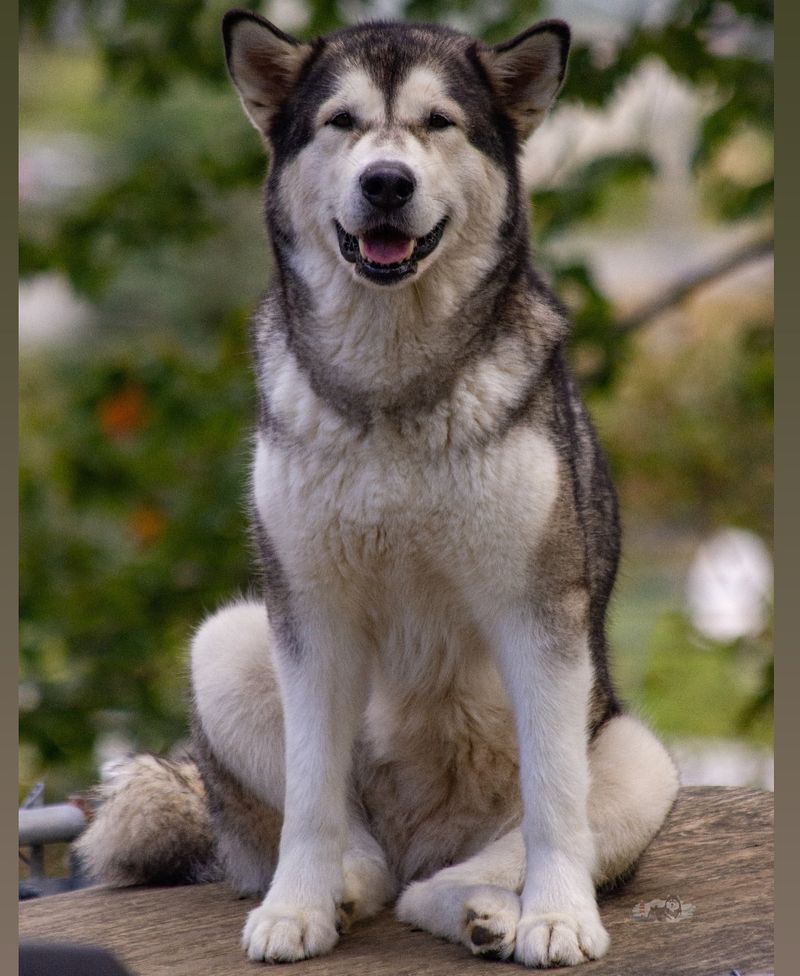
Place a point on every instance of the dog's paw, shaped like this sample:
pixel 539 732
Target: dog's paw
pixel 491 915
pixel 368 886
pixel 560 939
pixel 287 933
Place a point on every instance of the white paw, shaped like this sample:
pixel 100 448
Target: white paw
pixel 560 939
pixel 286 933
pixel 491 915
pixel 412 905
pixel 368 886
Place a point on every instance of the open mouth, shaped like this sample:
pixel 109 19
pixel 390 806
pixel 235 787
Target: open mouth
pixel 385 255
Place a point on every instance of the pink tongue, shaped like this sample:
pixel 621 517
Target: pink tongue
pixel 382 251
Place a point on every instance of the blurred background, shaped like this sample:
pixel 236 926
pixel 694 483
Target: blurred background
pixel 143 252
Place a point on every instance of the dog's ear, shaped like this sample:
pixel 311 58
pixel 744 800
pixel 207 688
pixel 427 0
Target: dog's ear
pixel 528 70
pixel 264 63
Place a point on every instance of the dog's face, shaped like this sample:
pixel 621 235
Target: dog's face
pixel 393 146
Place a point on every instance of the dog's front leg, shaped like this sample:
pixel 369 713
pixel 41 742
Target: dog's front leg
pixel 322 673
pixel 545 661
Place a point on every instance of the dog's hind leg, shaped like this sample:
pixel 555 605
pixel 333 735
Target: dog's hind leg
pixel 368 883
pixel 239 741
pixel 475 902
pixel 237 733
pixel 633 784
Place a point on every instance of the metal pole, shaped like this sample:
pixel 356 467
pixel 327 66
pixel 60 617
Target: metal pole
pixel 54 824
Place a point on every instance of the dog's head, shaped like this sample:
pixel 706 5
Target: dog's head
pixel 393 146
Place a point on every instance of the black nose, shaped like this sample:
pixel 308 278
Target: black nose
pixel 388 186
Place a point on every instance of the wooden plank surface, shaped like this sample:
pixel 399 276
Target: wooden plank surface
pixel 715 854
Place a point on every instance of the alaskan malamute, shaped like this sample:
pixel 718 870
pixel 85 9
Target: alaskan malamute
pixel 423 707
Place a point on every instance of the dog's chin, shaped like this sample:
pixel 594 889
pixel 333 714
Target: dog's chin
pixel 384 256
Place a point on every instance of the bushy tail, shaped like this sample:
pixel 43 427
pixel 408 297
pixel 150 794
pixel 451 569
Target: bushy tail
pixel 151 827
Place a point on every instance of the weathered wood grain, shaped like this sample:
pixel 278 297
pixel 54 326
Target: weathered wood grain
pixel 714 853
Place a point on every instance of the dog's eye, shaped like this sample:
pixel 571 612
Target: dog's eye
pixel 342 120
pixel 437 120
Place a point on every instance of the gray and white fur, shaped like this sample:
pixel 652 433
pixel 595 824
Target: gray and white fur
pixel 422 706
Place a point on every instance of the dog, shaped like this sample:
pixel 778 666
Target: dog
pixel 421 705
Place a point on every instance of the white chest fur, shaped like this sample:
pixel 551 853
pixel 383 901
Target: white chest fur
pixel 361 513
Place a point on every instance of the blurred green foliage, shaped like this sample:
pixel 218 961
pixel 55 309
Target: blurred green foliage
pixel 717 395
pixel 133 526
pixel 134 437
pixel 706 672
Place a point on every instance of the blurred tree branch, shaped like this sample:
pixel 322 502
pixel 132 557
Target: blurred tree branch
pixel 695 279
